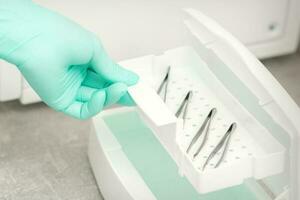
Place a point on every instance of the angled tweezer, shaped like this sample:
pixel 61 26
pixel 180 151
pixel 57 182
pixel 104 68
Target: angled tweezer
pixel 205 126
pixel 225 140
pixel 183 108
pixel 164 84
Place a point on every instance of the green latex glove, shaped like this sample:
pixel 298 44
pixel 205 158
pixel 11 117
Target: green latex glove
pixel 64 63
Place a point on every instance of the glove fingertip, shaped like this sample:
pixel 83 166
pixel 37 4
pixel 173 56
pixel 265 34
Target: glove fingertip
pixel 114 93
pixel 133 78
pixel 95 105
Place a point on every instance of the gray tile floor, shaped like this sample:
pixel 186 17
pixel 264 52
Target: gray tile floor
pixel 43 153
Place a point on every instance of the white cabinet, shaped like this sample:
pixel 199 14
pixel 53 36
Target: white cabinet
pixel 10 82
pixel 135 28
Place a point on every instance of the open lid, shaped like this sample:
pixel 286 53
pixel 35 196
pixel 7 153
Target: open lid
pixel 271 96
pixel 217 47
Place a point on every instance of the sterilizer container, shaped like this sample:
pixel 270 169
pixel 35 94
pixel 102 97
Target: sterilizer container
pixel 140 152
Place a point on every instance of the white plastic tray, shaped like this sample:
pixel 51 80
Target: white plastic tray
pixel 253 152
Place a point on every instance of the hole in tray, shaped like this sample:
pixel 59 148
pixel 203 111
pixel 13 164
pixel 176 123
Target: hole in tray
pixel 218 118
pixel 201 98
pixel 212 164
pixel 194 125
pixel 212 146
pixel 195 108
pixel 212 129
pixel 173 82
pixel 231 150
pixel 249 154
pixel 244 147
pixel 224 161
pixel 187 135
pixel 200 115
pixel 205 157
pixel 206 105
pixel 237 158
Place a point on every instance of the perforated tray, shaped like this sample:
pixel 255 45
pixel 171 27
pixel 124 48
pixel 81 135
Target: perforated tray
pixel 203 100
pixel 253 152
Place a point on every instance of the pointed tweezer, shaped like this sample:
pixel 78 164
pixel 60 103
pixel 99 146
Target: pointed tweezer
pixel 223 142
pixel 165 83
pixel 204 125
pixel 183 108
pixel 205 137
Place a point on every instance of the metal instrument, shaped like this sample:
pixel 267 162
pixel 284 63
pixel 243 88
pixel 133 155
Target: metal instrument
pixel 205 126
pixel 164 84
pixel 183 108
pixel 210 116
pixel 223 142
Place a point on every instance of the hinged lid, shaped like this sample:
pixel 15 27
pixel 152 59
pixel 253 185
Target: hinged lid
pixel 245 65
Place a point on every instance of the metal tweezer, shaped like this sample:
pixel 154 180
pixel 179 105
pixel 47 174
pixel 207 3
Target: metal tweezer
pixel 165 83
pixel 183 108
pixel 205 124
pixel 223 142
pixel 210 115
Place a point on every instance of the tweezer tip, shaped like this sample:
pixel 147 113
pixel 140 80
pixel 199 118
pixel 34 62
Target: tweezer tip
pixel 188 96
pixel 232 127
pixel 190 93
pixel 188 150
pixel 194 157
pixel 212 112
pixel 168 71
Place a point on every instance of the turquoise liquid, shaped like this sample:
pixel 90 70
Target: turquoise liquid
pixel 155 165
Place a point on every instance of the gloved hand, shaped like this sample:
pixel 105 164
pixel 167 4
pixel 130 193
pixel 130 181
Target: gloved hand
pixel 65 64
